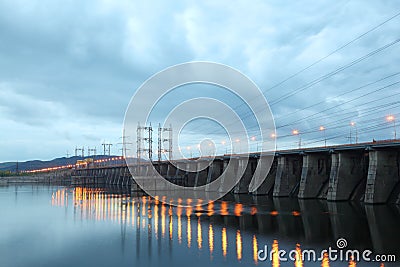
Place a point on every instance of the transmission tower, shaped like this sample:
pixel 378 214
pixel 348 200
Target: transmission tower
pixel 124 143
pixel 161 141
pixel 144 135
pixel 149 140
pixel 94 150
pixel 106 149
pixel 139 142
pixel 82 150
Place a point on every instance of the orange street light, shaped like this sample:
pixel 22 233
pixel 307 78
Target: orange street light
pixel 253 138
pixel 322 128
pixel 352 124
pixel 391 118
pixel 239 149
pixel 275 136
pixel 223 142
pixel 296 132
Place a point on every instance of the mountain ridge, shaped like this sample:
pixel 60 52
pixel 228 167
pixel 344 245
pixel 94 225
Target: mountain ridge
pixel 40 164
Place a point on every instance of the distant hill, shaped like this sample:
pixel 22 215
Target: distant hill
pixel 39 164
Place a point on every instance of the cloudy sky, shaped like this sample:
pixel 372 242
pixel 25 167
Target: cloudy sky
pixel 69 68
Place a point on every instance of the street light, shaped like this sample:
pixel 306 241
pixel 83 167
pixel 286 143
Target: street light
pixel 223 142
pixel 352 124
pixel 296 132
pixel 391 118
pixel 274 136
pixel 253 138
pixel 322 128
pixel 211 150
pixel 189 149
pixel 238 141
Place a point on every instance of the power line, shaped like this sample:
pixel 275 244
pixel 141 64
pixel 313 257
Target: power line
pixel 334 51
pixel 310 117
pixel 330 54
pixel 338 70
pixel 364 130
pixel 343 103
pixel 342 94
pixel 340 112
pixel 321 78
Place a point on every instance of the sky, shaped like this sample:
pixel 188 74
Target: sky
pixel 68 69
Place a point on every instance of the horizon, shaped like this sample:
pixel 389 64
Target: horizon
pixel 195 157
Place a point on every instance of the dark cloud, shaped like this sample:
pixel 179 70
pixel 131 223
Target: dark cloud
pixel 69 69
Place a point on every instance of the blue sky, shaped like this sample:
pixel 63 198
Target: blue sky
pixel 68 69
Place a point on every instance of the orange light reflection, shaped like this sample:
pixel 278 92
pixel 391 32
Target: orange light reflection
pixel 224 242
pixel 239 245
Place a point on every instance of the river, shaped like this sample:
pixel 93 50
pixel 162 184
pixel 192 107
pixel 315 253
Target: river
pixel 47 226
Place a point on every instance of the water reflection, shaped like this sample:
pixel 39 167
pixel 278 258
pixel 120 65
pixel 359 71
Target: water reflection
pixel 352 263
pixel 199 234
pixel 255 249
pixel 275 255
pixel 189 231
pixel 224 242
pixel 238 245
pixel 211 239
pixel 298 258
pixel 325 260
pixel 242 228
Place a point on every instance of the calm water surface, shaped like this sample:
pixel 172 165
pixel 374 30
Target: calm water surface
pixel 62 226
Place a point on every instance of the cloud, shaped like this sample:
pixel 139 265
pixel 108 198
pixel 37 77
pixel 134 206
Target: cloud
pixel 74 65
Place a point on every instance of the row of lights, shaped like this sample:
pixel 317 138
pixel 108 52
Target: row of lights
pixel 73 165
pixel 49 169
pixel 389 118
